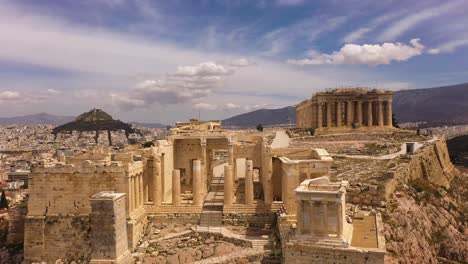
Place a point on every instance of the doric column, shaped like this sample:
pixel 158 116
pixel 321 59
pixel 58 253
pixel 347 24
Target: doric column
pixel 203 167
pixel 197 183
pixel 228 185
pixel 138 191
pixel 299 221
pixel 312 216
pixel 359 113
pixel 157 181
pixel 142 197
pixel 380 113
pixel 349 113
pixel 339 221
pixel 319 115
pixel 389 113
pixel 135 192
pixel 129 191
pixel 325 217
pixel 267 174
pixel 328 114
pixel 146 172
pixel 231 154
pixel 249 193
pixel 369 114
pixel 338 114
pixel 176 187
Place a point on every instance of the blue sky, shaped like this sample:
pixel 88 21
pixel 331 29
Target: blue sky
pixel 163 61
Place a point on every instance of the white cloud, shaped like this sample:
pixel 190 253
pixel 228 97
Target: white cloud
pixel 53 91
pixel 205 106
pixel 410 21
pixel 290 2
pixel 203 69
pixel 9 96
pixel 231 106
pixel 242 62
pixel 366 54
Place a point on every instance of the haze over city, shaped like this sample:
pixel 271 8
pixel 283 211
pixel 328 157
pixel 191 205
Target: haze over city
pixel 163 61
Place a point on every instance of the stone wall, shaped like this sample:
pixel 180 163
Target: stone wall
pixel 302 253
pixel 57 237
pixel 16 217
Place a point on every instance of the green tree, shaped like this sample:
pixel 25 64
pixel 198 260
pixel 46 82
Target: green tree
pixel 3 201
pixel 260 127
pixel 394 122
pixel 148 144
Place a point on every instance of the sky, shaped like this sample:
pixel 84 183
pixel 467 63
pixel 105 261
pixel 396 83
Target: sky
pixel 167 61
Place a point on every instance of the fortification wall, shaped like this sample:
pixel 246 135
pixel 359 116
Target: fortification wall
pixel 57 237
pixel 300 253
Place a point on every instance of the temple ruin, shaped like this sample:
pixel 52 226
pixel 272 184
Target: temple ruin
pixel 347 108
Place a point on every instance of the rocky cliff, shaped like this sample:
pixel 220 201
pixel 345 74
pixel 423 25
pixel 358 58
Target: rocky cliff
pixel 425 220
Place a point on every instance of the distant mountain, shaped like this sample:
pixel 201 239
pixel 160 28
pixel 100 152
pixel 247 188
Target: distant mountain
pixel 266 117
pixel 36 119
pixel 447 105
pixel 48 119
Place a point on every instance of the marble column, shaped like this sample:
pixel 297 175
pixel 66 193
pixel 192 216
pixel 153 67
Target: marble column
pixel 359 113
pixel 146 183
pixel 197 183
pixel 338 114
pixel 142 197
pixel 328 114
pixel 135 192
pixel 319 115
pixel 311 216
pixel 389 113
pixel 203 168
pixel 325 217
pixel 380 113
pixel 299 221
pixel 249 192
pixel 339 221
pixel 267 174
pixel 349 113
pixel 176 187
pixel 129 191
pixel 228 185
pixel 157 181
pixel 369 114
pixel 138 191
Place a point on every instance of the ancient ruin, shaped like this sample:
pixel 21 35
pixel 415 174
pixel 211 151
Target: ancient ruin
pixel 346 108
pixel 224 196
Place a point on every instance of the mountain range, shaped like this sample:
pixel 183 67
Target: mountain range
pixel 447 105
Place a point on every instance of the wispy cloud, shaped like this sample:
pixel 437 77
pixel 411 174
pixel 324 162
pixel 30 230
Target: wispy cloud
pixel 408 22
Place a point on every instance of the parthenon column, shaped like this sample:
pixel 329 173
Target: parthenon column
pixel 328 114
pixel 299 221
pixel 228 185
pixel 349 113
pixel 325 217
pixel 197 183
pixel 157 181
pixel 338 114
pixel 359 113
pixel 203 167
pixel 267 174
pixel 137 188
pixel 319 115
pixel 369 114
pixel 146 173
pixel 339 221
pixel 249 199
pixel 380 113
pixel 389 113
pixel 176 187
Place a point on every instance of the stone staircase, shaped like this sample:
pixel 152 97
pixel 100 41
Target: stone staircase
pixel 212 211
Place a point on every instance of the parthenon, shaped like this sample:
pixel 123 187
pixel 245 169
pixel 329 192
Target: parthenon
pixel 347 108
